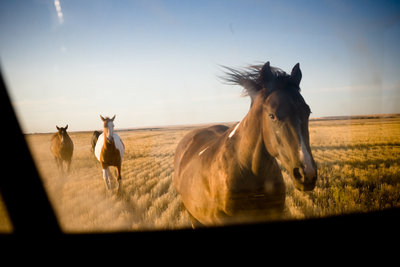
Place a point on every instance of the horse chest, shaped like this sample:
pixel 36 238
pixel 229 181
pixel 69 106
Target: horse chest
pixel 246 193
pixel 62 149
pixel 67 145
pixel 110 155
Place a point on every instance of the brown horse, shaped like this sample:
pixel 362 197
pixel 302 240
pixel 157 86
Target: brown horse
pixel 231 175
pixel 109 151
pixel 62 148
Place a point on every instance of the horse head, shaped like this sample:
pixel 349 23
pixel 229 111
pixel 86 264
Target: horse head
pixel 285 124
pixel 62 132
pixel 108 128
pixel 284 117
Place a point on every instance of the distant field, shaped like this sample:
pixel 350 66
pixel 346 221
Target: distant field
pixel 358 162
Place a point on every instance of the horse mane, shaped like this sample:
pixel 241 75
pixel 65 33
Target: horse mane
pixel 53 136
pixel 250 78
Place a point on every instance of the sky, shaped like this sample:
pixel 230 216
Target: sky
pixel 157 63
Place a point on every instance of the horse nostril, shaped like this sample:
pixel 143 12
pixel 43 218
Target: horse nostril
pixel 297 174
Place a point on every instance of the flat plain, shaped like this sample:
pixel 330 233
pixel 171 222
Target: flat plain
pixel 358 161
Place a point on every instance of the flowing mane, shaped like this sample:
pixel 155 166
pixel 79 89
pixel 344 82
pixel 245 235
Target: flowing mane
pixel 251 78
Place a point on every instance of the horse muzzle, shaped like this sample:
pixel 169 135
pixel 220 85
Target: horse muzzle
pixel 305 178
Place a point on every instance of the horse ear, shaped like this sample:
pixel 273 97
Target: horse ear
pixel 66 127
pixel 101 117
pixel 296 74
pixel 112 119
pixel 266 73
pixel 57 128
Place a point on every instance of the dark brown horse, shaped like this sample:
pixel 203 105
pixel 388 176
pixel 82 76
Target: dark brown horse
pixel 231 175
pixel 62 148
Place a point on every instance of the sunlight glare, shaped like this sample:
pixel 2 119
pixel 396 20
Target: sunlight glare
pixel 59 12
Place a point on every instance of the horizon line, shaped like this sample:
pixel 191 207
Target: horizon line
pixel 155 127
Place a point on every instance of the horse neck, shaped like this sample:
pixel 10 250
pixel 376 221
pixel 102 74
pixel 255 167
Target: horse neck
pixel 251 151
pixel 63 139
pixel 106 143
pixel 106 133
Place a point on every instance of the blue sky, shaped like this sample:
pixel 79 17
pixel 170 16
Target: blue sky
pixel 157 63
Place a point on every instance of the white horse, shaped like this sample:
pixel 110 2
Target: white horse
pixel 109 151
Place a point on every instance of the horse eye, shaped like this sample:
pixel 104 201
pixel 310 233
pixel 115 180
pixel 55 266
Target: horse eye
pixel 272 116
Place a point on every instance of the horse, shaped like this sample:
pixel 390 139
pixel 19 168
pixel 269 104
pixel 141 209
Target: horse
pixel 95 137
pixel 62 148
pixel 229 175
pixel 109 151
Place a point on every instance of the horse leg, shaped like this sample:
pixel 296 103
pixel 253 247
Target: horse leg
pixel 194 221
pixel 68 165
pixel 56 160
pixel 63 167
pixel 106 176
pixel 119 177
pixel 60 165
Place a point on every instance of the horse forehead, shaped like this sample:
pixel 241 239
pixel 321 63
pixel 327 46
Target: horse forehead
pixel 286 104
pixel 288 93
pixel 108 123
pixel 280 100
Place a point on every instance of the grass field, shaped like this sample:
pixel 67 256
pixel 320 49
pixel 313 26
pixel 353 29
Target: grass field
pixel 358 162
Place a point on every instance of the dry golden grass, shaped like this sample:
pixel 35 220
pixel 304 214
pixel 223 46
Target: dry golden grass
pixel 358 168
pixel 358 164
pixel 147 199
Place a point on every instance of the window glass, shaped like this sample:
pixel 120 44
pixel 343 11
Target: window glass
pixel 159 67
